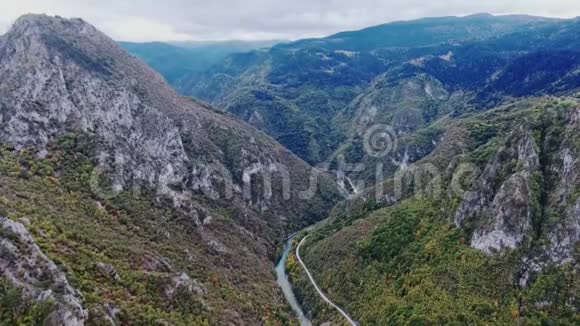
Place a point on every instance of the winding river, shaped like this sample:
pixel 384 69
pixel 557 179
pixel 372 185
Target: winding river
pixel 283 282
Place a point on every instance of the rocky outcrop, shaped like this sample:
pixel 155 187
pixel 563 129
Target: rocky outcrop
pixel 108 271
pixel 561 234
pixel 502 216
pixel 527 194
pixel 60 75
pixel 152 262
pixel 560 246
pixel 565 234
pixel 24 264
pixel 511 216
pixel 185 282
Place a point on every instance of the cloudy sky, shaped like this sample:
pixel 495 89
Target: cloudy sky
pixel 181 20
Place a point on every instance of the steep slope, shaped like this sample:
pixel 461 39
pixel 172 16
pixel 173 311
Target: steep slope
pixel 484 229
pixel 114 136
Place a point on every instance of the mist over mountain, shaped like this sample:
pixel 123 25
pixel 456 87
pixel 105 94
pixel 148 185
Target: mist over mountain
pixel 177 60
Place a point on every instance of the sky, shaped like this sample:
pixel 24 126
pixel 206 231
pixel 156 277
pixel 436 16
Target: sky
pixel 194 20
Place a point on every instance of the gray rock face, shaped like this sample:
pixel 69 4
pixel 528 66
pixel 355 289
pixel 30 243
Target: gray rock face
pixel 559 249
pixel 62 75
pixel 25 265
pixel 184 281
pixel 108 270
pixel 508 194
pixel 512 216
pixel 565 234
pixel 504 215
pixel 54 81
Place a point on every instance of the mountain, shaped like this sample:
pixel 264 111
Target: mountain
pixel 123 202
pixel 482 228
pixel 459 138
pixel 455 140
pixel 308 94
pixel 424 32
pixel 185 59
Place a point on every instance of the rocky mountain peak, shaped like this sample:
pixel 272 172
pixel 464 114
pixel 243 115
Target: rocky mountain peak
pixel 63 75
pixel 42 23
pixel 34 31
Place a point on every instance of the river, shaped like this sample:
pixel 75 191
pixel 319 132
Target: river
pixel 283 282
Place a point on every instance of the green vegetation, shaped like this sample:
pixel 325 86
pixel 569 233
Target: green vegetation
pixel 410 267
pixel 429 276
pixel 409 264
pixel 15 309
pixel 146 242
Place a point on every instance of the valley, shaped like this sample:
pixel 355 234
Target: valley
pixel 320 293
pixel 428 172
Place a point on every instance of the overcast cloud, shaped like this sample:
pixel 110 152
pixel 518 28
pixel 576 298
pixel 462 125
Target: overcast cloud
pixel 181 20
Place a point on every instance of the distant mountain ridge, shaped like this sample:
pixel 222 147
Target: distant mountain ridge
pixel 425 32
pixel 312 84
pixel 175 60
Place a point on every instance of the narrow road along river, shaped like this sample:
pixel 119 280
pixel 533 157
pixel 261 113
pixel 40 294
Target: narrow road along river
pixel 283 282
pixel 320 293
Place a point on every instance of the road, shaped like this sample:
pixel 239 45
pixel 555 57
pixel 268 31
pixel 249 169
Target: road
pixel 320 293
pixel 283 282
